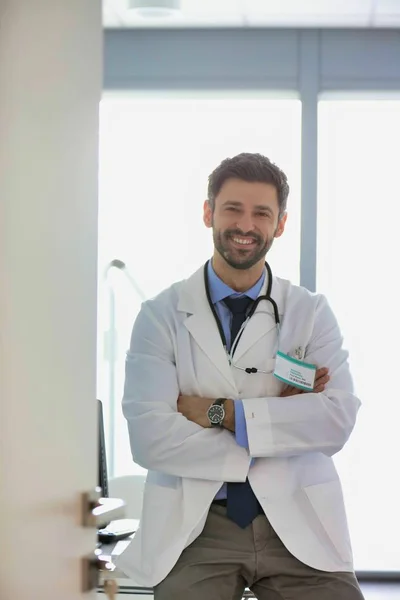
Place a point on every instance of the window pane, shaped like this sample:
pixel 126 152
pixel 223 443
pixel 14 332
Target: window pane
pixel 357 269
pixel 156 152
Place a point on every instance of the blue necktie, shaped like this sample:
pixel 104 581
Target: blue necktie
pixel 241 503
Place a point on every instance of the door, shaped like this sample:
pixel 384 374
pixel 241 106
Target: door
pixel 50 86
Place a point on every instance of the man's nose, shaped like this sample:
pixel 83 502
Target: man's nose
pixel 245 223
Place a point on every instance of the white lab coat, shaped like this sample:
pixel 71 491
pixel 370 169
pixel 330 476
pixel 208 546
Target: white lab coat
pixel 176 348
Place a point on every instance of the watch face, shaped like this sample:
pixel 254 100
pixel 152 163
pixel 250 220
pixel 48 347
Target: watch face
pixel 216 414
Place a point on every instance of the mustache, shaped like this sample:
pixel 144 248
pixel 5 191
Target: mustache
pixel 250 234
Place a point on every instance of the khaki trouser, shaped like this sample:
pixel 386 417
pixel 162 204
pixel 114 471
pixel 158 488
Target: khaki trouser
pixel 226 559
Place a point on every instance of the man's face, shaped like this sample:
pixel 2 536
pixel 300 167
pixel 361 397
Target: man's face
pixel 245 221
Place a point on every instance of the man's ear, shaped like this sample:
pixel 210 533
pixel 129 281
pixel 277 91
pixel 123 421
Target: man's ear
pixel 281 225
pixel 207 214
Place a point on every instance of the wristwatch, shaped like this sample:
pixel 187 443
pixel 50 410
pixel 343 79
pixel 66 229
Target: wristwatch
pixel 216 412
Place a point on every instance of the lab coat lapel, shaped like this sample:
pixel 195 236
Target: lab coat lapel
pixel 201 324
pixel 262 321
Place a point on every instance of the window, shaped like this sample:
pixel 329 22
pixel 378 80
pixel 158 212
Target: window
pixel 358 216
pixel 156 152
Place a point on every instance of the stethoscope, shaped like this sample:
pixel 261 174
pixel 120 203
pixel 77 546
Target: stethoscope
pixel 250 313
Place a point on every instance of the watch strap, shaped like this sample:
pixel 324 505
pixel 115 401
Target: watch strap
pixel 219 401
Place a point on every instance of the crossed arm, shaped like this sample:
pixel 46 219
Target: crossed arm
pixel 195 408
pixel 173 436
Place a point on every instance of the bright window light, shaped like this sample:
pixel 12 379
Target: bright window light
pixel 357 268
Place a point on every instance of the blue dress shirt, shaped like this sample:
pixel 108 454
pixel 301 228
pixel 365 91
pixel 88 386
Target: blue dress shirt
pixel 218 291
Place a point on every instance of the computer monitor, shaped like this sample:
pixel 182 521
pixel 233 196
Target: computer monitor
pixel 121 528
pixel 102 455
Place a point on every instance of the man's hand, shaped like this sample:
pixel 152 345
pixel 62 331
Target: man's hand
pixel 195 409
pixel 321 379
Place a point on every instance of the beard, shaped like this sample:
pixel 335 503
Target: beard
pixel 236 257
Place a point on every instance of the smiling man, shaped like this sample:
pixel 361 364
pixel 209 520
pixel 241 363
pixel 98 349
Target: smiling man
pixel 237 395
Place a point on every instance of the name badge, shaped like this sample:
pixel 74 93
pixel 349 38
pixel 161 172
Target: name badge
pixel 295 372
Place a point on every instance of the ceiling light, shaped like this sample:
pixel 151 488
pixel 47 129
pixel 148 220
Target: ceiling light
pixel 158 9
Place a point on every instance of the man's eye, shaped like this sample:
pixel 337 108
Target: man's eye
pixel 263 214
pixel 233 208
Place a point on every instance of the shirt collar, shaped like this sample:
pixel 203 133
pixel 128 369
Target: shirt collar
pixel 219 290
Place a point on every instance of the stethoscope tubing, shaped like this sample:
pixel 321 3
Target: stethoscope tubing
pixel 266 296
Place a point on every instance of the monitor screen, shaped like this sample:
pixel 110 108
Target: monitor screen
pixel 102 456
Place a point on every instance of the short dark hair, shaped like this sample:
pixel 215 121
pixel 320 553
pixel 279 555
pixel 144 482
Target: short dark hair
pixel 249 167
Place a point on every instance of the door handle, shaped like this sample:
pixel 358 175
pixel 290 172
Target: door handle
pixel 98 512
pixel 92 566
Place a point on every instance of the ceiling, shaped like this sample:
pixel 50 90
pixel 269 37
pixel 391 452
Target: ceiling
pixel 261 13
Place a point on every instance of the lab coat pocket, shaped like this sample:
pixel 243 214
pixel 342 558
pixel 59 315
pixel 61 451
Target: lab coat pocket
pixel 327 502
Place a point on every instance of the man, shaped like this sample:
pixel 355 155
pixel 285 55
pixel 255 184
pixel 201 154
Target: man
pixel 241 489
